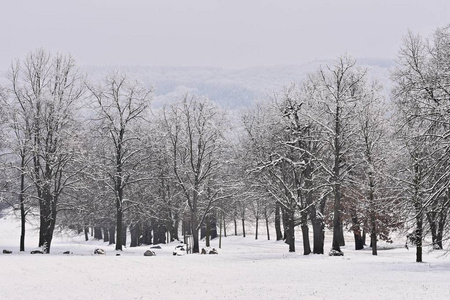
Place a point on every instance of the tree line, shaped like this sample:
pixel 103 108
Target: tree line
pixel 328 152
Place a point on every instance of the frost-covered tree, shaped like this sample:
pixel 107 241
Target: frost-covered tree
pixel 336 91
pixel 47 89
pixel 422 98
pixel 195 137
pixel 371 196
pixel 120 105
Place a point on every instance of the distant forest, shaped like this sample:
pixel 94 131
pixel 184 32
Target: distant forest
pixel 333 145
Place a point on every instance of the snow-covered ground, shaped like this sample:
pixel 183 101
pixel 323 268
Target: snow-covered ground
pixel 244 269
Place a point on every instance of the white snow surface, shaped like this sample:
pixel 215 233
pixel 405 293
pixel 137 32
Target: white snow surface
pixel 245 268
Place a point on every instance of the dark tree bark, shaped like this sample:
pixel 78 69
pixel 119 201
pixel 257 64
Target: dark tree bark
pixel 135 233
pixel 305 233
pixel 418 210
pixel 224 225
pixel 124 237
pixel 256 232
pixel 235 227
pixel 341 235
pixel 243 227
pixel 47 227
pixel 318 227
pixel 220 230
pixel 290 234
pixel 196 246
pixel 98 233
pixel 112 232
pixel 208 231
pixel 120 240
pixel 105 234
pixel 174 231
pixel 364 232
pixel 441 226
pixel 356 231
pixel 278 222
pixel 267 228
pixel 22 203
pixel 86 233
pixel 147 234
pixel 285 218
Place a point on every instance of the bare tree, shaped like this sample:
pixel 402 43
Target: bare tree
pixel 120 106
pixel 422 97
pixel 195 138
pixel 336 91
pixel 47 89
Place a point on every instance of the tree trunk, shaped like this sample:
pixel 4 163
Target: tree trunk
pixel 290 238
pixel 431 217
pixel 22 204
pixel 86 233
pixel 364 233
pixel 256 232
pixel 49 219
pixel 284 217
pixel 318 227
pixel 105 234
pixel 174 232
pixel 41 221
pixel 419 223
pixel 208 231
pixel 267 228
pixel 124 235
pixel 441 226
pixel 98 233
pixel 196 247
pixel 119 215
pixel 243 227
pixel 373 231
pixel 373 243
pixel 134 235
pixel 341 235
pixel 220 231
pixel 337 225
pixel 224 225
pixel 278 222
pixel 419 212
pixel 305 234
pixel 22 225
pixel 112 237
pixel 318 236
pixel 356 230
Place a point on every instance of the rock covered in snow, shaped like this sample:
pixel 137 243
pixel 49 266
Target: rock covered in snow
pixel 37 252
pixel 7 251
pixel 149 253
pixel 179 250
pixel 335 253
pixel 99 251
pixel 209 250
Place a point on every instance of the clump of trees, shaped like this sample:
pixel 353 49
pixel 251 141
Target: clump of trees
pixel 327 152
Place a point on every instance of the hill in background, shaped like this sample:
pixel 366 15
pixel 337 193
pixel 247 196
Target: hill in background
pixel 231 88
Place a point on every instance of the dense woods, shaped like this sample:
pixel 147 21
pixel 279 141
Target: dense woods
pixel 330 152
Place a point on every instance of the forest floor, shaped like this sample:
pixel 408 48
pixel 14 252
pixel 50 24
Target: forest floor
pixel 245 268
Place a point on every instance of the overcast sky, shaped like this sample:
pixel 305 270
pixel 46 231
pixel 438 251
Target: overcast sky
pixel 224 33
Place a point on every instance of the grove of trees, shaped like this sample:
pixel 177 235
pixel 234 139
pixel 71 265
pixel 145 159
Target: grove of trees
pixel 329 152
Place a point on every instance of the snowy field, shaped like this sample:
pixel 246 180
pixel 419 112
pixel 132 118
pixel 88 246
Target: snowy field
pixel 244 269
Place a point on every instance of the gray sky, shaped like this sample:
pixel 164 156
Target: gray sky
pixel 225 33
